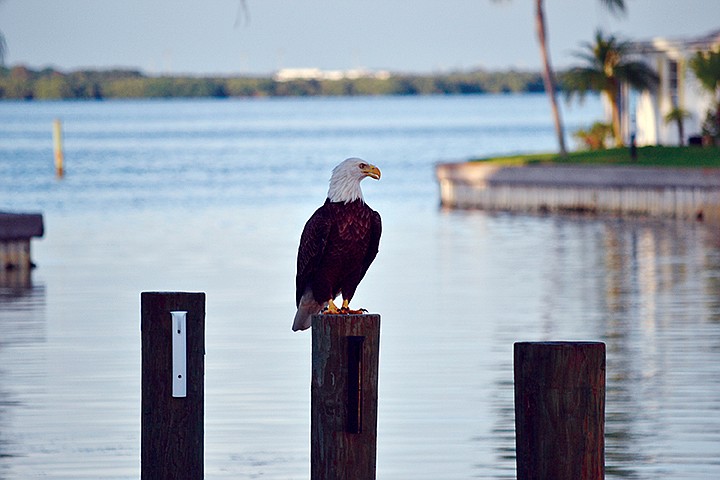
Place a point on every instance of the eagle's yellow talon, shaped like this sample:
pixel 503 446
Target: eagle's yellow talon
pixel 331 309
pixel 345 309
pixel 348 311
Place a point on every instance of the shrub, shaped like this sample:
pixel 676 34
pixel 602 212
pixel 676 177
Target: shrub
pixel 595 138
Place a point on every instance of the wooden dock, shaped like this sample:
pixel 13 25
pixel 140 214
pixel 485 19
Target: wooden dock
pixel 683 193
pixel 16 230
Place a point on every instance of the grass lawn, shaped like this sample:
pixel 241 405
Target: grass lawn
pixel 700 157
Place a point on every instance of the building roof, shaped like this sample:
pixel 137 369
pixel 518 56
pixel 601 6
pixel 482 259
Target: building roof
pixel 707 41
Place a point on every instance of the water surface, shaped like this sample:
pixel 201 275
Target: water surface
pixel 212 195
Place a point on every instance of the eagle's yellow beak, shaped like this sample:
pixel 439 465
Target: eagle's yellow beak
pixel 371 171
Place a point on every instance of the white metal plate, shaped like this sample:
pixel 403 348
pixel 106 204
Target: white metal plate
pixel 179 355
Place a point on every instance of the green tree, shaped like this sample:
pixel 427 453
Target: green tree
pixel 18 84
pixel 52 87
pixel 548 74
pixel 594 139
pixel 678 115
pixel 607 67
pixel 125 88
pixel 706 66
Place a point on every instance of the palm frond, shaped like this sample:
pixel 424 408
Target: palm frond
pixel 616 7
pixel 706 66
pixel 638 75
pixel 581 80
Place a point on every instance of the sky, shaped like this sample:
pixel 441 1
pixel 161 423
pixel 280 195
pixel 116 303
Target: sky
pixel 223 37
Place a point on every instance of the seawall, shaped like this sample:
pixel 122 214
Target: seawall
pixel 684 193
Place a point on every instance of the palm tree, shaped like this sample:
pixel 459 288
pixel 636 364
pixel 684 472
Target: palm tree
pixel 606 68
pixel 706 66
pixel 549 75
pixel 3 49
pixel 615 6
pixel 678 115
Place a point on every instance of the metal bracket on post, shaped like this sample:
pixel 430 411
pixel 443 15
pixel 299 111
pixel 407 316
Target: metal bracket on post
pixel 179 355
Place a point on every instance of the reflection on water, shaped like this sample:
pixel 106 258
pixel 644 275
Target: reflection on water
pixel 650 291
pixel 212 196
pixel 22 325
pixel 15 281
pixel 456 290
pixel 661 297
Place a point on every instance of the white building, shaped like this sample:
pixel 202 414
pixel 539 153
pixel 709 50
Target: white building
pixel 288 74
pixel 678 88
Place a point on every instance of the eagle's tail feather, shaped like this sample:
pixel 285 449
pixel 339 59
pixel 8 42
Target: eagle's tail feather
pixel 307 308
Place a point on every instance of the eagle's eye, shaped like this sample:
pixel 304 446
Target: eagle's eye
pixel 363 166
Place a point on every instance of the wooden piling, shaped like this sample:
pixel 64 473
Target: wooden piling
pixel 16 229
pixel 58 148
pixel 560 410
pixel 172 426
pixel 345 354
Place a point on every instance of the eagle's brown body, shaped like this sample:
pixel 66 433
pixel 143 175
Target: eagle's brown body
pixel 337 246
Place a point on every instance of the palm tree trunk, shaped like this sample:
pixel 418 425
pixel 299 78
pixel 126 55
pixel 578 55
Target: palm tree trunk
pixel 612 93
pixel 548 76
pixel 681 131
pixel 615 109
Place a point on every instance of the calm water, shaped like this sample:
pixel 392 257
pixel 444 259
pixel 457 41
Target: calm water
pixel 212 195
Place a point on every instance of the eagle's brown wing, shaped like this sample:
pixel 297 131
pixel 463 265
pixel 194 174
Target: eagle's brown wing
pixel 312 246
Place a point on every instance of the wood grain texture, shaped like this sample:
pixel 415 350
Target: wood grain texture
pixel 560 410
pixel 172 428
pixel 345 359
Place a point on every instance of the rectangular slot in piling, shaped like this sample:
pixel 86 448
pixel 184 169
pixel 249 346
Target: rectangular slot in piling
pixel 354 383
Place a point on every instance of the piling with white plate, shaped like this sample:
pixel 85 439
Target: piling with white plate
pixel 173 385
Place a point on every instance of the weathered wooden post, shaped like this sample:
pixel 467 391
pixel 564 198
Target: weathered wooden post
pixel 16 229
pixel 173 385
pixel 560 410
pixel 58 148
pixel 345 354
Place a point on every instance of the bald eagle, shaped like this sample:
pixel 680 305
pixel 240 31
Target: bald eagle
pixel 337 245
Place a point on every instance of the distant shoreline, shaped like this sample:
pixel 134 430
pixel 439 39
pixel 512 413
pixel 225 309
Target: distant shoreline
pixel 22 83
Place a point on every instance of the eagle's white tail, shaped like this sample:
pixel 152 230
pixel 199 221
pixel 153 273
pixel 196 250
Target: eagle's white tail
pixel 307 308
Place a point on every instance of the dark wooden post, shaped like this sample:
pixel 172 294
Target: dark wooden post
pixel 560 410
pixel 172 424
pixel 345 354
pixel 16 229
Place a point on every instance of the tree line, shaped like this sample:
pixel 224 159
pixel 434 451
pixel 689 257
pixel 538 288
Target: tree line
pixel 26 84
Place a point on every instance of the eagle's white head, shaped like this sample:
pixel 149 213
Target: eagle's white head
pixel 346 177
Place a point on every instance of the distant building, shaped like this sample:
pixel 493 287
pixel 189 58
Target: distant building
pixel 288 74
pixel 643 113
